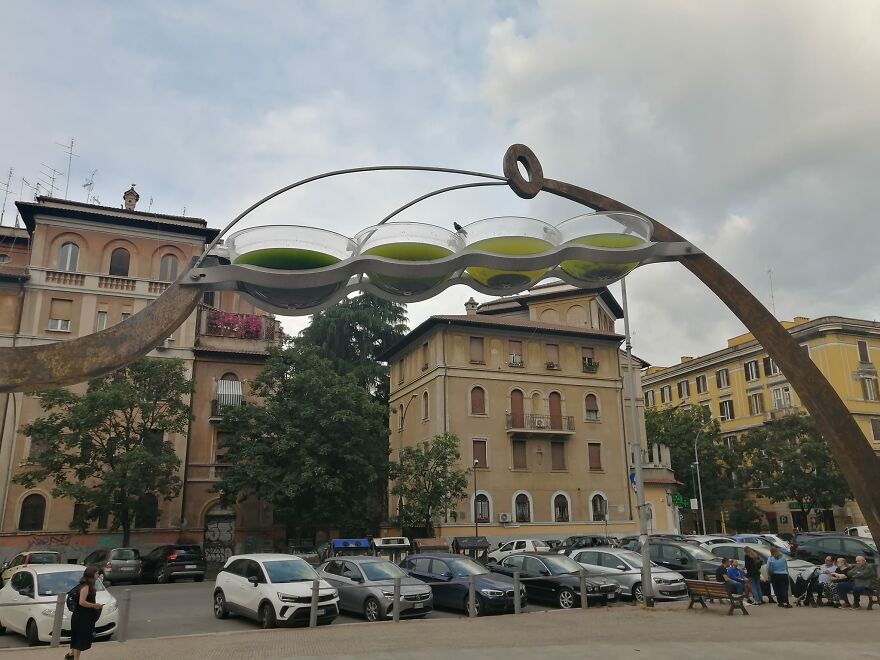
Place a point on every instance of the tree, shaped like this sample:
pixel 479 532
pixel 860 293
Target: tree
pixel 790 462
pixel 428 482
pixel 314 448
pixel 107 449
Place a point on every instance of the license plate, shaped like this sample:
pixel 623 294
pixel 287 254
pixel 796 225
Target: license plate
pixel 419 606
pixel 190 566
pixel 128 568
pixel 322 612
pixel 610 596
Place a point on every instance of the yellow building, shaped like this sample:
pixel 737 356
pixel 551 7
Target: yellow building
pixel 533 386
pixel 743 388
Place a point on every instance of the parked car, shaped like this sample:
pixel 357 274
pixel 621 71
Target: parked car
pixel 494 592
pixel 556 578
pixel 685 558
pixel 366 587
pixel 34 589
pixel 169 562
pixel 307 552
pixel 708 540
pixel 553 544
pixel 583 541
pixel 760 539
pixel 738 551
pixel 814 549
pixel 117 564
pixel 860 530
pixel 272 589
pixel 29 558
pixel 625 568
pixel 778 540
pixel 518 545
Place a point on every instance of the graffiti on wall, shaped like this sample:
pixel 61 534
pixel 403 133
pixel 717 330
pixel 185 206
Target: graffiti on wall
pixel 219 543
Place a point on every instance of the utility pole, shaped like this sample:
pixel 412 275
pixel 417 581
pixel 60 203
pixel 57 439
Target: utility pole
pixel 699 482
pixel 476 517
pixel 5 194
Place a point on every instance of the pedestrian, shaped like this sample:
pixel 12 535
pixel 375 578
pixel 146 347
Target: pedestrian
pixel 753 572
pixel 863 577
pixel 842 581
pixel 778 568
pixel 829 589
pixel 85 613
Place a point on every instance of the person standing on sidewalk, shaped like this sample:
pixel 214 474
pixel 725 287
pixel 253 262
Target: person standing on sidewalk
pixel 85 615
pixel 753 572
pixel 778 568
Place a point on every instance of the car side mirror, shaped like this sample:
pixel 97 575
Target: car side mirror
pixel 621 567
pixel 684 560
pixel 254 580
pixel 544 571
pixel 358 580
pixel 447 575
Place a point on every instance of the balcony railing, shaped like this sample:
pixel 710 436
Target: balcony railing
pixel 217 323
pixel 540 422
pixel 217 407
pixel 779 413
pixel 590 366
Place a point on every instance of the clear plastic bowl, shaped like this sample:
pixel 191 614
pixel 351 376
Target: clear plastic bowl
pixel 616 231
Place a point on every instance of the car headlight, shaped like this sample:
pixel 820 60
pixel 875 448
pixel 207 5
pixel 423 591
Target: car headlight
pixel 50 612
pixel 110 607
pixel 387 594
pixel 592 589
pixel 286 598
pixel 491 593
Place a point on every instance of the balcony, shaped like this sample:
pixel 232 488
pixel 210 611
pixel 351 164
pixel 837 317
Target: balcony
pixel 590 365
pixel 217 407
pixel 539 424
pixel 779 413
pixel 207 471
pixel 231 331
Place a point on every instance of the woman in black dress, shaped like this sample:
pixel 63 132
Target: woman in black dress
pixel 85 614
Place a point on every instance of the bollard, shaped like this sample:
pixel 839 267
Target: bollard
pixel 396 604
pixel 700 575
pixel 472 596
pixel 584 589
pixel 124 614
pixel 313 612
pixel 60 606
pixel 517 598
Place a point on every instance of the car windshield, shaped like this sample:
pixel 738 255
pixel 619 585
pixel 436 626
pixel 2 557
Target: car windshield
pixel 700 553
pixel 381 570
pixel 631 558
pixel 870 544
pixel 289 570
pixel 125 554
pixel 559 564
pixel 465 567
pixel 188 551
pixel 43 558
pixel 541 545
pixel 52 584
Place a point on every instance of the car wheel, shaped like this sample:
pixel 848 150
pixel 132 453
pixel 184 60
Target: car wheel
pixel 637 594
pixel 32 633
pixel 267 616
pixel 478 606
pixel 163 575
pixel 199 578
pixel 566 599
pixel 220 610
pixel 372 610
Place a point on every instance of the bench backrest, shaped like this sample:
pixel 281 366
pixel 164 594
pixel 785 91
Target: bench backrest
pixel 705 588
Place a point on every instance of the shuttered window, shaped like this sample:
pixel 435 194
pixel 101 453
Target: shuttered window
pixel 60 312
pixel 875 427
pixel 591 406
pixel 480 453
pixel 557 452
pixel 594 455
pixel 702 385
pixel 515 354
pixel 553 355
pixel 722 379
pixel 478 401
pixel 519 455
pixel 863 352
pixel 477 350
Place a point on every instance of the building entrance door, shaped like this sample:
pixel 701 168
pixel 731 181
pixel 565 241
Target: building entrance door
pixel 219 542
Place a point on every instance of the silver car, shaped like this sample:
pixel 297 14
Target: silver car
pixel 366 586
pixel 625 568
pixel 117 564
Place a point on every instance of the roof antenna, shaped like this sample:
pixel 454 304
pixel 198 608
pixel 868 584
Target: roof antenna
pixel 150 206
pixel 772 297
pixel 89 185
pixel 68 149
pixel 5 194
pixel 49 178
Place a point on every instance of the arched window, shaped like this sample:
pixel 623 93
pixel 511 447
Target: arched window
pixel 147 513
pixel 68 257
pixel 168 268
pixel 120 259
pixel 555 401
pixel 229 376
pixel 481 509
pixel 560 508
pixel 478 401
pixel 599 508
pixel 33 513
pixel 4 258
pixel 517 416
pixel 400 417
pixel 523 508
pixel 591 407
pixel 424 405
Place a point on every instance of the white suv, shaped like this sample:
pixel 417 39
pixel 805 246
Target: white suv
pixel 517 545
pixel 273 589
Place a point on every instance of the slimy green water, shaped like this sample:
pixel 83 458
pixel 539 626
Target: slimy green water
pixel 508 245
pixel 408 252
pixel 593 272
pixel 289 259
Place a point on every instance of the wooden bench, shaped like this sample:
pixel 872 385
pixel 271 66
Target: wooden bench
pixel 874 594
pixel 699 590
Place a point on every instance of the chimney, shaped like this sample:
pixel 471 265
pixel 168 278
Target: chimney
pixel 131 198
pixel 686 358
pixel 471 307
pixel 800 319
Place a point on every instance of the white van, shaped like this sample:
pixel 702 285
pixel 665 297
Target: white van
pixel 861 530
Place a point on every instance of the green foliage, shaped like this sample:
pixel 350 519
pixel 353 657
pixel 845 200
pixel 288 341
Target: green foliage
pixel 790 461
pixel 428 481
pixel 317 447
pixel 106 449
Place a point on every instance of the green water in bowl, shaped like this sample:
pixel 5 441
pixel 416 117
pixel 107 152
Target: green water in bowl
pixel 508 246
pixel 289 259
pixel 594 272
pixel 408 252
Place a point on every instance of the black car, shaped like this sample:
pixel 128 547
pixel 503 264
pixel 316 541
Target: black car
pixel 169 562
pixel 449 576
pixel 814 549
pixel 556 578
pixel 685 558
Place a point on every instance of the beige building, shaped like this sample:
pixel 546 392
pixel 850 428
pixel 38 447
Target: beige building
pixel 533 386
pixel 78 268
pixel 743 388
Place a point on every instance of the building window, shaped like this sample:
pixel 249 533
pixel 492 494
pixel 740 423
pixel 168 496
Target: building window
pixel 517 414
pixel 781 397
pixel 478 401
pixel 730 441
pixel 649 398
pixel 557 454
pixel 594 455
pixel 588 359
pixel 481 509
pixel 523 508
pixel 424 356
pixel 208 298
pixel 120 260
pixel 770 368
pixel 554 402
pixel 684 389
pixel 424 405
pixel 702 384
pixel 869 389
pixel 514 353
pixel 400 417
pixel 756 403
pixel 168 268
pixel 552 356
pixel 477 351
pixel 560 508
pixel 68 257
pixel 4 259
pixel 101 321
pixel 598 508
pixel 399 372
pixel 726 408
pixel 863 352
pixel 591 406
pixel 666 394
pixel 875 428
pixel 33 513
pixel 722 379
pixel 751 370
pixel 147 513
pixel 480 453
pixel 59 314
pixel 520 461
pixel 124 316
pixel 36 448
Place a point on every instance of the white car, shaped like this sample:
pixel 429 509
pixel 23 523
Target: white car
pixel 32 593
pixel 272 589
pixel 517 545
pixel 860 530
pixel 708 540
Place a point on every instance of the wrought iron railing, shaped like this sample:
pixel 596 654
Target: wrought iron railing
pixel 540 422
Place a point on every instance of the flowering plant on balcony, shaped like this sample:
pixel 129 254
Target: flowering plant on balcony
pixel 229 324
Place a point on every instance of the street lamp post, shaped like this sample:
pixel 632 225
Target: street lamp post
pixel 476 515
pixel 412 398
pixel 699 482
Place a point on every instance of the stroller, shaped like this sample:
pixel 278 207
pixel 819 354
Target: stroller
pixel 806 587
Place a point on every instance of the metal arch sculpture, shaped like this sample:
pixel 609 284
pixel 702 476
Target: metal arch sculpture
pixel 37 367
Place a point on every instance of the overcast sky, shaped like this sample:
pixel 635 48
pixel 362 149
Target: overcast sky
pixel 752 128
